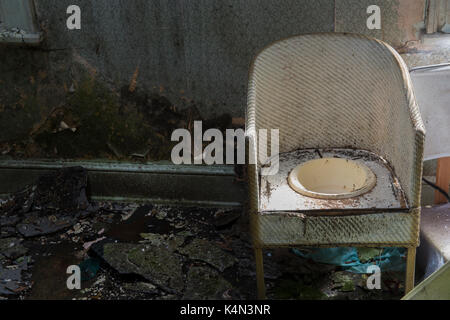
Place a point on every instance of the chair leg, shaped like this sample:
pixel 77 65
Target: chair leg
pixel 260 274
pixel 410 269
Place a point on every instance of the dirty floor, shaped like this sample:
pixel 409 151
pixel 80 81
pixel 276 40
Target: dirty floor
pixel 149 251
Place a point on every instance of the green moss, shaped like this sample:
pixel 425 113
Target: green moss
pixel 102 129
pixel 348 286
pixel 91 111
pixel 17 119
pixel 109 125
pixel 368 254
pixel 205 283
pixel 343 281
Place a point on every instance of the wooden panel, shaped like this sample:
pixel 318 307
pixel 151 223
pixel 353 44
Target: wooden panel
pixel 442 179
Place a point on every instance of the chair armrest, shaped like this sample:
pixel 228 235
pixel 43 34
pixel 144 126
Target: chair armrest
pixel 252 170
pixel 416 136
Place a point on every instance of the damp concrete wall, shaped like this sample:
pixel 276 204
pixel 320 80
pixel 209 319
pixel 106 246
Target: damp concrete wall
pixel 190 51
pixel 138 69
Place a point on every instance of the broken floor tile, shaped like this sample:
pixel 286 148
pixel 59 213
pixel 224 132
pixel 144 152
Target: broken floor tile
pixel 158 264
pixel 7 232
pixel 38 225
pixel 12 248
pixel 204 283
pixel 23 262
pixel 9 288
pixel 204 250
pixel 9 281
pixel 173 242
pixel 63 190
pixel 152 238
pixel 141 287
pixel 224 218
pixel 8 221
pixel 161 215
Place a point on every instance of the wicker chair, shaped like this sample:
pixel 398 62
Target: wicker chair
pixel 335 90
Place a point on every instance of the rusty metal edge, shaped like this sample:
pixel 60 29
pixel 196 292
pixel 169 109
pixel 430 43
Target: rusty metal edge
pixel 32 39
pixel 435 287
pixel 160 182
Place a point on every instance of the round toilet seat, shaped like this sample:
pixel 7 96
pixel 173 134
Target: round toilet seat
pixel 332 178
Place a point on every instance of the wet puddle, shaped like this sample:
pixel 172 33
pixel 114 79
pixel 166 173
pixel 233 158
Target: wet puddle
pixel 49 272
pixel 142 221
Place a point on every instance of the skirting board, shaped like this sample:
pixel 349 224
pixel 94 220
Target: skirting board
pixel 125 182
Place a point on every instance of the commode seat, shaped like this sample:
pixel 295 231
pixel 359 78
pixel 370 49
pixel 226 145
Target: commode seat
pixel 333 95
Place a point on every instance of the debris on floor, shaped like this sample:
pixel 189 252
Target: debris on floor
pixel 149 251
pixel 204 250
pixel 357 260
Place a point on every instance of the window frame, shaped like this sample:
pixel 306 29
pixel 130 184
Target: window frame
pixel 18 22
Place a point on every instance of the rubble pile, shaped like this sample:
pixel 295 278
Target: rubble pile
pixel 148 251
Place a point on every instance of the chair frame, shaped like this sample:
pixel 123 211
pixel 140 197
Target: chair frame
pixel 413 181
